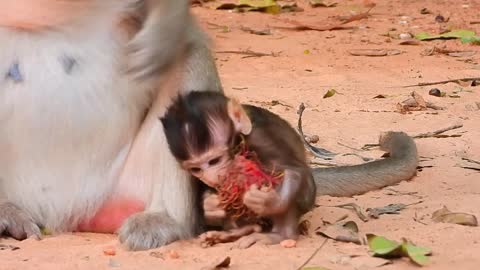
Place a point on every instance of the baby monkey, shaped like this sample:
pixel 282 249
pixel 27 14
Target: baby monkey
pixel 209 135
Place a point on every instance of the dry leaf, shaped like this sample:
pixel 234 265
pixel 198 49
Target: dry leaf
pixel 374 52
pixel 355 207
pixel 8 247
pixel 409 42
pixel 321 3
pixel 218 264
pixel 419 99
pixel 389 209
pixel 446 216
pixel 345 232
pixel 330 93
pixel 157 254
pixel 322 26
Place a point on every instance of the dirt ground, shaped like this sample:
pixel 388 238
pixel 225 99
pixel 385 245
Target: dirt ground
pixel 302 67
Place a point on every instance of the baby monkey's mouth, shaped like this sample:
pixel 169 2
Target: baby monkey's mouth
pixel 243 172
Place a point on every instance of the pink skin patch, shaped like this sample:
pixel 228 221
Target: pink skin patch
pixel 111 215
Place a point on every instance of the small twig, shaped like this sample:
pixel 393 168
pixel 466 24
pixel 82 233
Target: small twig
pixel 408 193
pixel 437 132
pixel 323 164
pixel 313 254
pixel 250 53
pixel 416 219
pixel 471 160
pixel 434 134
pixel 443 82
pixel 355 207
pixel 256 32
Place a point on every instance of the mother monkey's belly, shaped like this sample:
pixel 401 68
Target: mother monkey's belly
pixel 68 119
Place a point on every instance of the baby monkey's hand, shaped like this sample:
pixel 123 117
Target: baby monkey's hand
pixel 214 214
pixel 264 201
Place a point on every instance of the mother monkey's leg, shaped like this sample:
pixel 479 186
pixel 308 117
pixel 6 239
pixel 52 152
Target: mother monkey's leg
pixel 172 212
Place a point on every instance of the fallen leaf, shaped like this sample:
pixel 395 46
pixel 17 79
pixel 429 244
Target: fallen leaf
pixel 256 32
pixel 452 53
pixel 389 209
pixel 446 216
pixel 419 99
pixel 330 93
pixel 267 6
pixel 455 34
pixel 425 11
pixel 409 42
pixel 380 96
pixel 219 264
pixel 8 247
pixel 374 52
pixel 157 254
pixel 355 207
pixel 345 232
pixel 327 26
pixel 417 254
pixel 385 248
pixel 381 246
pixel 321 3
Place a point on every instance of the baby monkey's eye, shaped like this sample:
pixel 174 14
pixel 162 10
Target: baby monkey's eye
pixel 214 161
pixel 195 170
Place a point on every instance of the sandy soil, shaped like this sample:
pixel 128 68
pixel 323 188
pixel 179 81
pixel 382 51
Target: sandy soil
pixel 352 118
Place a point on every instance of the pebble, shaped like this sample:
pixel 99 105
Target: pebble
pixel 405 36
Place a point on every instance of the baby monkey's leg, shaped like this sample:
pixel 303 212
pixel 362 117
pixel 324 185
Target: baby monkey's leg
pixel 285 227
pixel 214 237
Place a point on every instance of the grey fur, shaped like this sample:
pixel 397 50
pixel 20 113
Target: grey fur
pixel 358 179
pixel 151 51
pixel 150 230
pixel 17 223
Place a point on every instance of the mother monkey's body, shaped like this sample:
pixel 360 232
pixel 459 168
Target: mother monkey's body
pixel 79 143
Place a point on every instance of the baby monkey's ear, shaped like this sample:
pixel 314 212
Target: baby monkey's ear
pixel 240 119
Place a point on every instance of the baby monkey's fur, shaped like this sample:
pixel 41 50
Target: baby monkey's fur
pixel 202 128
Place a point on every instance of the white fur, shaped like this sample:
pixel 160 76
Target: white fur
pixel 64 138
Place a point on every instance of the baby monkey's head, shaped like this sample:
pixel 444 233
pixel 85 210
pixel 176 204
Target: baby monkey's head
pixel 202 128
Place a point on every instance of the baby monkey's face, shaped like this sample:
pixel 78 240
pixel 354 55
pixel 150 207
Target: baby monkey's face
pixel 209 166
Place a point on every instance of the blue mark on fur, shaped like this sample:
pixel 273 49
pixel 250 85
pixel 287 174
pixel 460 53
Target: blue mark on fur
pixel 14 73
pixel 68 63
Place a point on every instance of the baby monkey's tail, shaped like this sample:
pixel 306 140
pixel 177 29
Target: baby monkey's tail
pixel 357 179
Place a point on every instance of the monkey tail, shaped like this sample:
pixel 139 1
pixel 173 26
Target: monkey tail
pixel 357 179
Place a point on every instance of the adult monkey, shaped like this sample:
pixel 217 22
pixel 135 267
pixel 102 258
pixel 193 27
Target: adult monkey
pixel 79 145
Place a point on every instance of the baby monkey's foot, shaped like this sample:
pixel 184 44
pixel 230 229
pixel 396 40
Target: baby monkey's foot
pixel 214 237
pixel 260 238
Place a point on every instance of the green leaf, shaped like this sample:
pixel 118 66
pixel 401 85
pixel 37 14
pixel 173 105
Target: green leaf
pixel 330 93
pixel 258 3
pixel 417 254
pixel 382 247
pixel 474 40
pixel 460 33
